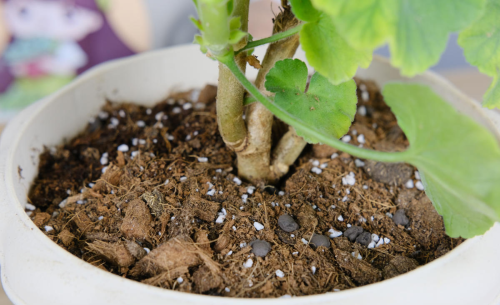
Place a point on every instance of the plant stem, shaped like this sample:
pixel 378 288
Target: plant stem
pixel 311 131
pixel 254 162
pixel 271 39
pixel 285 153
pixel 230 93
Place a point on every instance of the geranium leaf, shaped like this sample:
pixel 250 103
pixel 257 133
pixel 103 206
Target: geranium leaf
pixel 481 43
pixel 329 108
pixel 304 10
pixel 417 31
pixel 458 159
pixel 329 53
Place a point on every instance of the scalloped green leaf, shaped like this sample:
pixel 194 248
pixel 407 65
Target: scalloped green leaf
pixel 458 159
pixel 417 31
pixel 330 108
pixel 304 10
pixel 329 53
pixel 481 44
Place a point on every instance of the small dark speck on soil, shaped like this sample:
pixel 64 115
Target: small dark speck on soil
pixel 400 218
pixel 271 190
pixel 260 247
pixel 287 223
pixel 364 238
pixel 320 241
pixel 353 232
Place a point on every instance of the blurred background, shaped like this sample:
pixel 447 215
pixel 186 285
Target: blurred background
pixel 44 44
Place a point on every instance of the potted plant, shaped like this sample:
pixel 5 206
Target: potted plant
pixel 456 158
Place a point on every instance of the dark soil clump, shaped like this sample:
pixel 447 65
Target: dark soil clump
pixel 152 194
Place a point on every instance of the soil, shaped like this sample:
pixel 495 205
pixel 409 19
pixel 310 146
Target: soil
pixel 152 194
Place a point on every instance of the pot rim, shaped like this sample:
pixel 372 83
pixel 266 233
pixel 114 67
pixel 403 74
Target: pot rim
pixel 16 128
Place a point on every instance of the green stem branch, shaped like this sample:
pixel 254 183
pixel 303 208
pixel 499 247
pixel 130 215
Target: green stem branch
pixel 271 39
pixel 285 117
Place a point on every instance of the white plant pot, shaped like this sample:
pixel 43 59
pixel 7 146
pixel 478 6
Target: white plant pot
pixel 34 270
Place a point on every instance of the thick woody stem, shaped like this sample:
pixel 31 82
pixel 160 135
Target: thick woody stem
pixel 255 160
pixel 230 92
pixel 285 153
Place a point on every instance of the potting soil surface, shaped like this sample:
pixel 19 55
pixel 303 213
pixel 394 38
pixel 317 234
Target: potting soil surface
pixel 152 194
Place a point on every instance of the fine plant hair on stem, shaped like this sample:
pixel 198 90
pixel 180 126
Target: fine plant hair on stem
pixel 255 160
pixel 230 92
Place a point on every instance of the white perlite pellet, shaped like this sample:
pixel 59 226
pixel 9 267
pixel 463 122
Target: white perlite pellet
pixel 334 233
pixel 349 179
pixel 281 193
pixel 48 228
pixel 365 96
pixel 386 240
pixel 211 192
pixel 140 124
pixel 187 106
pixel 176 110
pixel 243 245
pixel 250 189
pixel 147 250
pixel 417 175
pixel 359 163
pixel 356 255
pixel 202 159
pixel 371 245
pixel 346 138
pixel 419 186
pixel 362 110
pixel 316 170
pixel 183 178
pixel 222 216
pixel 280 273
pixel 237 180
pixel 104 158
pixel 229 253
pixel 361 139
pixel 388 214
pixel 100 218
pixel 123 148
pixel 29 206
pixel 248 263
pixel 103 115
pixel 304 241
pixel 375 237
pixel 340 218
pixel 180 280
pixel 409 184
pixel 258 226
pixel 334 155
pixel 63 203
pixel 379 243
pixel 244 198
pixel 227 289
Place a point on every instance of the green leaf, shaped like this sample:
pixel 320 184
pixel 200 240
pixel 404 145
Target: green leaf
pixel 417 31
pixel 196 23
pixel 481 43
pixel 491 98
pixel 236 36
pixel 330 108
pixel 458 159
pixel 235 23
pixel 304 10
pixel 329 53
